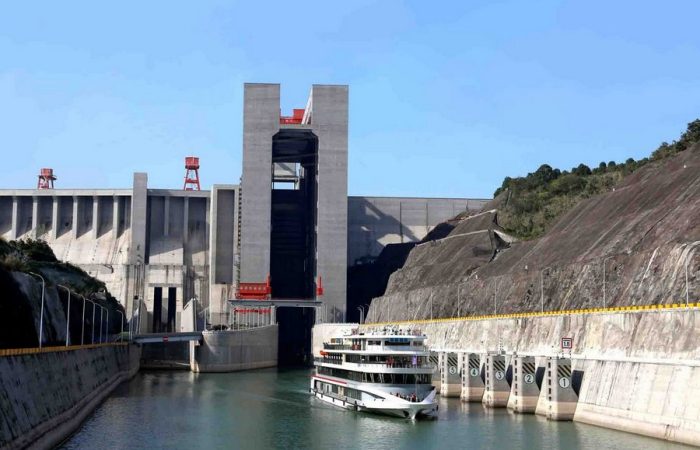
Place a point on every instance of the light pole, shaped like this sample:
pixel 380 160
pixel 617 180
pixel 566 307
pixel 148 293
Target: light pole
pixel 131 318
pixel 121 335
pixel 101 313
pixel 431 306
pixel 362 313
pixel 687 261
pixel 605 302
pixel 82 328
pixel 138 318
pixel 92 341
pixel 41 316
pixel 542 285
pixel 459 302
pixel 204 319
pixel 68 315
pixel 495 289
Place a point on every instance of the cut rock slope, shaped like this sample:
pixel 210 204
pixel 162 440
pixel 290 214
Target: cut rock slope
pixel 642 231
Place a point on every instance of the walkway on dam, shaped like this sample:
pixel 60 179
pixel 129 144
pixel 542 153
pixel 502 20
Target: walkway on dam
pixel 616 309
pixel 183 336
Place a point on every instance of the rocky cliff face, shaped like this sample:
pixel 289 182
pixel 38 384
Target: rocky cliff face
pixel 21 293
pixel 635 240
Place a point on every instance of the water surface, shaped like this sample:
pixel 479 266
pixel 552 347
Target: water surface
pixel 272 409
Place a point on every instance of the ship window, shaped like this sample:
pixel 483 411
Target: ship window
pixel 354 393
pixel 398 341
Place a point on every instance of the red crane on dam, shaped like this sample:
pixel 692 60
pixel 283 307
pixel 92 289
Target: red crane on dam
pixel 191 174
pixel 46 179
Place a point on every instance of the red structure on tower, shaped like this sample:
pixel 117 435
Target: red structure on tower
pixel 46 179
pixel 191 174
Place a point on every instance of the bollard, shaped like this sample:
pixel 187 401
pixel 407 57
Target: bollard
pixel 451 384
pixel 472 383
pixel 496 390
pixel 524 392
pixel 558 399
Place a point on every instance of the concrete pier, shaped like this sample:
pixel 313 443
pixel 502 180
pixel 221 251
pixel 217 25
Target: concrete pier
pixel 496 390
pixel 472 381
pixel 558 399
pixel 436 360
pixel 524 392
pixel 450 380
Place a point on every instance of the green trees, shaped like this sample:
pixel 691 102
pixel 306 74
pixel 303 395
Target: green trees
pixel 537 199
pixel 581 170
pixel 690 136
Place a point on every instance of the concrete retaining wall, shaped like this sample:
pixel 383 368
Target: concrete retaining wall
pixel 640 369
pixel 653 399
pixel 231 351
pixel 44 397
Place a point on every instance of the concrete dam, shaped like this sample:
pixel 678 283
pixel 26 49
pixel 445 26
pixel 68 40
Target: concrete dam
pixel 289 220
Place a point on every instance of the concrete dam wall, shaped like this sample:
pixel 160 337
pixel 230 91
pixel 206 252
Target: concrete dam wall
pixel 639 370
pixel 45 396
pixel 231 351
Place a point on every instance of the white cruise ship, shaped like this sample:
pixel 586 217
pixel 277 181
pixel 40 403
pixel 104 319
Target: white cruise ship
pixel 384 371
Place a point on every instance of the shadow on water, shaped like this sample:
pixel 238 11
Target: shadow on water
pixel 272 409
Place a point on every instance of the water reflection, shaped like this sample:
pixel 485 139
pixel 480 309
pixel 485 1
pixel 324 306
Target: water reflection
pixel 272 409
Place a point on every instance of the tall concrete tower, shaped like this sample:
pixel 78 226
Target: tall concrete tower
pixel 294 196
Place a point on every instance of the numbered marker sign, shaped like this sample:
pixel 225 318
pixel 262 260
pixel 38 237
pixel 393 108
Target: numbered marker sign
pixel 567 343
pixel 529 378
pixel 564 382
pixel 474 372
pixel 453 370
pixel 499 375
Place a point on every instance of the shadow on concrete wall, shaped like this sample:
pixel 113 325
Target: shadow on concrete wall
pixel 378 225
pixel 368 281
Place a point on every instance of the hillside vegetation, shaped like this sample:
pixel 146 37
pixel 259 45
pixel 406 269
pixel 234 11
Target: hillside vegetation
pixel 22 263
pixel 529 205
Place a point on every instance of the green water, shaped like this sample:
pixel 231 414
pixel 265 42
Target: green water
pixel 272 409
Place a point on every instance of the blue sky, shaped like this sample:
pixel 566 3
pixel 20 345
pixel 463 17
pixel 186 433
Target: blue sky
pixel 446 98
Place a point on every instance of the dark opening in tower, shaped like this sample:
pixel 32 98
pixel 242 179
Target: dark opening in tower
pixel 293 237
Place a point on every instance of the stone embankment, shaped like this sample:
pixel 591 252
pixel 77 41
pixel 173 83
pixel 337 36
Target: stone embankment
pixel 45 395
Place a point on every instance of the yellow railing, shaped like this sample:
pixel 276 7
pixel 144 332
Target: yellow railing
pixel 61 348
pixel 669 306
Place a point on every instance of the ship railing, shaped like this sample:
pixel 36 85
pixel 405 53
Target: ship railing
pixel 395 365
pixel 392 331
pixel 340 347
pixel 377 363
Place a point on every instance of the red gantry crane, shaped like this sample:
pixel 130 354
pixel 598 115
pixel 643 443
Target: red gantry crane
pixel 191 174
